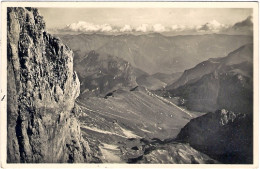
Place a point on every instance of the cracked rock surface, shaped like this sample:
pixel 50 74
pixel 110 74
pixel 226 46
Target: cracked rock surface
pixel 42 88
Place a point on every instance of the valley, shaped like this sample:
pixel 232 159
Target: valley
pixel 128 120
pixel 128 98
pixel 128 115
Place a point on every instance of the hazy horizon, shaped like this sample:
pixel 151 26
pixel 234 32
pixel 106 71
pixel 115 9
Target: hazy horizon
pixel 174 21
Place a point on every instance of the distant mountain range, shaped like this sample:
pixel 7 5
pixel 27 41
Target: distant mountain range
pixel 225 82
pixel 208 86
pixel 155 53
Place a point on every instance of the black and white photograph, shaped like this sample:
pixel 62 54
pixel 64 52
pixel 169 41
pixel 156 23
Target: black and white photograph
pixel 143 84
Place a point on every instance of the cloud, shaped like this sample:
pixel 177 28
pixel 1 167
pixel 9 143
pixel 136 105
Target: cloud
pixel 158 28
pixel 212 26
pixel 178 28
pixel 126 28
pixel 142 28
pixel 82 26
pixel 105 28
pixel 242 27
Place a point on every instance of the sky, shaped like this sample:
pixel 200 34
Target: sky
pixel 143 19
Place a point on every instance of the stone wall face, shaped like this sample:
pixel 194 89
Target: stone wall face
pixel 42 88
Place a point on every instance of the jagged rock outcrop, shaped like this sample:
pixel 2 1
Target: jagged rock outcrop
pixel 174 153
pixel 42 88
pixel 223 135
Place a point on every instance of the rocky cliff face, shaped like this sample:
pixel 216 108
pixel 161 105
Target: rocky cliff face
pixel 223 135
pixel 42 88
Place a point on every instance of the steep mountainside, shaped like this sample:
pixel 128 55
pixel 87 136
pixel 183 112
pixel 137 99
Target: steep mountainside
pixel 42 88
pixel 101 74
pixel 128 126
pixel 150 52
pixel 223 135
pixel 219 83
pixel 195 73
